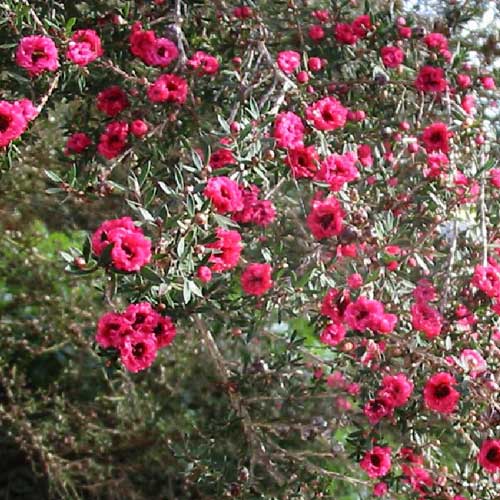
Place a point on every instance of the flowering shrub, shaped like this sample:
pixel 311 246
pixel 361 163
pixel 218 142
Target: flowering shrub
pixel 310 197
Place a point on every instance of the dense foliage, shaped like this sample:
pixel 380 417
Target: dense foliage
pixel 279 230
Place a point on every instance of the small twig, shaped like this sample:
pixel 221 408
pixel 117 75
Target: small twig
pixel 50 91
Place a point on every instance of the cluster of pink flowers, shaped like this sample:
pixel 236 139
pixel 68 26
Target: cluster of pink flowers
pixel 130 249
pixel 349 34
pixel 153 51
pixel 14 119
pixel 425 318
pixel 137 334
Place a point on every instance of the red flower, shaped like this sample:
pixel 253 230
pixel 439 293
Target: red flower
pixel 377 409
pixel 102 237
pixel 204 63
pixel 344 33
pixel 327 114
pixel 84 47
pixel 303 161
pixel 114 140
pixel 436 41
pixel 227 250
pixel 12 122
pixel 392 57
pixel 168 88
pixel 364 314
pixel 316 33
pixel 112 101
pixel 37 54
pixel 364 153
pixel 139 128
pixel 377 461
pixel 131 250
pixel 435 138
pixel 426 319
pixel 396 387
pixel 255 211
pixel 338 170
pixel 333 334
pixel 440 394
pixel 111 328
pixel 222 158
pixel 326 218
pixel 361 25
pixel 431 79
pixel 489 455
pixel 77 143
pixel 225 194
pixel 334 304
pixel 256 279
pixel 487 279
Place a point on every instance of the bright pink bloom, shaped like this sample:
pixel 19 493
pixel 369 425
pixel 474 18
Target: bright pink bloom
pixel 489 455
pixel 333 334
pixel 437 164
pixel 380 489
pixel 288 130
pixel 256 279
pixel 322 15
pixel 28 109
pixel 426 319
pixel 464 81
pixel 377 409
pixel 221 158
pixel 111 329
pixel 424 291
pixel 361 25
pixel 377 461
pixel 338 170
pixel 77 143
pixel 440 394
pixel 102 237
pixel 243 12
pixel 404 32
pixel 13 123
pixel 139 128
pixel 37 54
pixel 161 53
pixel 334 303
pixel 326 218
pixel 398 388
pixel 138 351
pixel 487 279
pixel 431 79
pixel 138 314
pixel 468 104
pixel 488 82
pixel 288 61
pixel 255 211
pixel 364 314
pixel 131 250
pixel 168 88
pixel 327 114
pixel 84 47
pixel 419 479
pixel 355 280
pixel 227 250
pixel 113 140
pixel 314 64
pixel 435 138
pixel 204 63
pixel 161 327
pixel 303 161
pixel 112 101
pixel 364 153
pixel 436 41
pixel 204 274
pixel 391 56
pixel 225 194
pixel 142 43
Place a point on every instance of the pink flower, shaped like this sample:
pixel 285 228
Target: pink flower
pixel 488 82
pixel 419 479
pixel 162 328
pixel 380 489
pixel 333 334
pixel 398 388
pixel 37 54
pixel 424 291
pixel 377 409
pixel 361 25
pixel 243 12
pixel 314 64
pixel 437 164
pixel 355 280
pixel 338 170
pixel 436 41
pixel 113 140
pixel 431 79
pixel 440 394
pixel 225 194
pixel 344 33
pixel 327 114
pixel 404 32
pixel 142 43
pixel 489 455
pixel 139 128
pixel 487 279
pixel 468 104
pixel 377 461
pixel 435 138
pixel 204 63
pixel 221 158
pixel 161 52
pixel 426 319
pixel 131 250
pixel 102 236
pixel 464 81
pixel 227 250
pixel 256 279
pixel 111 329
pixel 28 109
pixel 322 15
pixel 138 314
pixel 138 351
pixel 255 211
pixel 288 130
pixel 288 61
pixel 84 47
pixel 112 101
pixel 473 362
pixel 364 314
pixel 334 303
pixel 303 161
pixel 326 218
pixel 391 56
pixel 77 143
pixel 168 88
pixel 13 123
pixel 204 274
